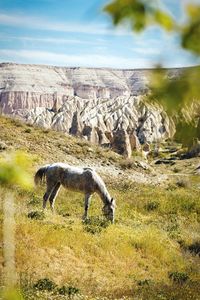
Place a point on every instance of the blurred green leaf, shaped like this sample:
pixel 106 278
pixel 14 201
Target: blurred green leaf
pixel 139 14
pixel 191 37
pixel 180 89
pixel 128 10
pixel 164 20
pixel 180 97
pixel 193 11
pixel 185 133
pixel 191 31
pixel 13 170
pixel 11 294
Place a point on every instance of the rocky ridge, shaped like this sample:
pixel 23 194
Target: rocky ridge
pixel 103 106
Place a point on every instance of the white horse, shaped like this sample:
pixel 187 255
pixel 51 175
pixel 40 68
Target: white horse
pixel 79 179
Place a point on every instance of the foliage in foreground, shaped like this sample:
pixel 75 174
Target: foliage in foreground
pixel 180 96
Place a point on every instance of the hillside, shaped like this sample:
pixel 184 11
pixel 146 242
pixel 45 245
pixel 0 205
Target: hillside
pixel 53 146
pixel 102 105
pixel 152 250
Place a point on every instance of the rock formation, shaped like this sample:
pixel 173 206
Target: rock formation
pixel 103 106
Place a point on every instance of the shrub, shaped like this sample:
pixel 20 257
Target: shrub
pixel 176 170
pixel 178 277
pixel 46 131
pixel 68 290
pixel 45 284
pixel 189 206
pixel 195 248
pixel 183 183
pixel 127 163
pixel 95 225
pixel 17 123
pixel 37 215
pixel 153 205
pixel 35 200
pixel 144 282
pixel 27 130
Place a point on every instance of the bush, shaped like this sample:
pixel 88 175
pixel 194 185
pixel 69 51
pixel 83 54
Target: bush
pixel 68 290
pixel 178 277
pixel 195 248
pixel 95 225
pixel 27 130
pixel 17 123
pixel 127 163
pixel 189 206
pixel 37 215
pixel 153 205
pixel 144 282
pixel 183 183
pixel 46 131
pixel 35 201
pixel 176 170
pixel 45 284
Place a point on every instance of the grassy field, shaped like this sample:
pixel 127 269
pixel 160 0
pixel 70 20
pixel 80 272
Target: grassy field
pixel 151 252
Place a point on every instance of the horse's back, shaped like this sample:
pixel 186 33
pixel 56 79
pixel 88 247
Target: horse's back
pixel 59 165
pixel 83 179
pixel 77 179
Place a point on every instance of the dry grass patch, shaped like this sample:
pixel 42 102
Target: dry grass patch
pixel 156 232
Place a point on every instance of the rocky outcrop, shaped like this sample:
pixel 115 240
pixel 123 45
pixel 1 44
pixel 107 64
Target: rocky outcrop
pixel 122 123
pixel 121 142
pixel 194 150
pixel 104 106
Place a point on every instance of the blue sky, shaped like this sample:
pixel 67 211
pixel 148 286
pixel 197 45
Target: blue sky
pixel 77 33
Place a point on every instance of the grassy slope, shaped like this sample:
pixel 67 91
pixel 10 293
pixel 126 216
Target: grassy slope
pixel 155 228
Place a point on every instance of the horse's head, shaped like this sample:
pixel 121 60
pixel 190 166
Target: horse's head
pixel 109 210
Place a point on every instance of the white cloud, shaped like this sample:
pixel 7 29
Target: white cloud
pixel 144 41
pixel 146 51
pixel 44 24
pixel 47 40
pixel 87 60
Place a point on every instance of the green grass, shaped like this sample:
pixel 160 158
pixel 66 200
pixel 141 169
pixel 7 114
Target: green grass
pixel 143 245
pixel 151 252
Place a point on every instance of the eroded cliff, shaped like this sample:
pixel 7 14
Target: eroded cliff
pixel 102 105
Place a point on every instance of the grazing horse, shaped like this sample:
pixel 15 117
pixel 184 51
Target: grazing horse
pixel 84 180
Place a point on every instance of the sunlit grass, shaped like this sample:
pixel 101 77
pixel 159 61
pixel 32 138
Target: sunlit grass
pixel 142 245
pixel 156 234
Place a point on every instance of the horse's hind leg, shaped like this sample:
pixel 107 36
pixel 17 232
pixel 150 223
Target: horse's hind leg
pixel 87 204
pixel 53 195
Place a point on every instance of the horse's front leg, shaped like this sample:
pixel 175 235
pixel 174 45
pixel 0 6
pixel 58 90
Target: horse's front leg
pixel 87 204
pixel 53 195
pixel 46 195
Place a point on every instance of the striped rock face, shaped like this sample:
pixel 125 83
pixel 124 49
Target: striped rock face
pixel 102 105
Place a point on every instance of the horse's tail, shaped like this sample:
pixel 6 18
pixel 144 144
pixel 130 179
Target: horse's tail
pixel 40 174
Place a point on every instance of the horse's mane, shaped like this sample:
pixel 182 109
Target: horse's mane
pixel 103 192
